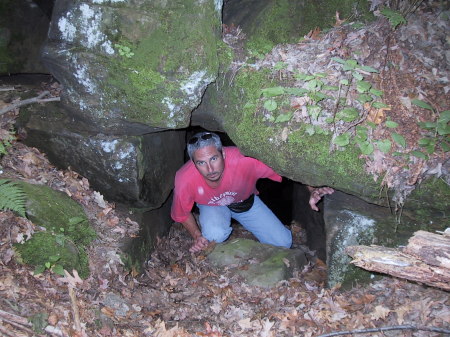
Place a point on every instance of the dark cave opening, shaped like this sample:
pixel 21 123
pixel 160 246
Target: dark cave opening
pixel 288 200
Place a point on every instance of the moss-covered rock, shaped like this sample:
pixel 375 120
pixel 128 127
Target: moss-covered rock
pixel 67 230
pixel 58 213
pixel 144 62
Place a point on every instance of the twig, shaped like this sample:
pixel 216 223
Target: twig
pixel 14 318
pixel 19 326
pixel 7 89
pixel 76 313
pixel 5 332
pixel 38 99
pixel 388 328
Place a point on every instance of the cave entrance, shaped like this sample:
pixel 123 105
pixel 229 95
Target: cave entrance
pixel 289 201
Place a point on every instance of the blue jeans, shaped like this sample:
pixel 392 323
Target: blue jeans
pixel 215 223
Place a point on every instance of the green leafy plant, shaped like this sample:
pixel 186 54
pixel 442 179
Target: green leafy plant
pixel 6 138
pixel 124 50
pixel 12 197
pixel 51 264
pixel 437 132
pixel 395 18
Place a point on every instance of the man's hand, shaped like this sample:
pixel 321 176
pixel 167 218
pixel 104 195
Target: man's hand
pixel 200 243
pixel 317 194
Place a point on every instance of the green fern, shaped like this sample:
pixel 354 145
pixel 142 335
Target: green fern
pixel 12 197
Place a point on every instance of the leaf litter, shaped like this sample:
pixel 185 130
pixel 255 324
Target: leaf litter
pixel 179 293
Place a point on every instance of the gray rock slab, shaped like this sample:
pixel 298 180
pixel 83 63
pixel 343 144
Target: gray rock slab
pixel 259 264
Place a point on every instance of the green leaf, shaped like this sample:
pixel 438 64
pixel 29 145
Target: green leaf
pixel 76 220
pixel 12 197
pixel 284 117
pixel 379 105
pixel 312 84
pixel 443 129
pixel 422 104
pixel 347 114
pixel 395 18
pixel 329 120
pixel 270 105
pixel 350 65
pixel 342 140
pixel 344 81
pixel 330 87
pixel 427 125
pixel 399 139
pixel 53 258
pixel 366 148
pixel 310 130
pixel 361 131
pixel 368 69
pixel 391 124
pixel 372 125
pixel 58 269
pixel 357 76
pixel 363 98
pixel 431 148
pixel 338 60
pixel 39 269
pixel 363 86
pixel 445 146
pixel 317 96
pixel 419 154
pixel 424 141
pixel 47 265
pixel 280 65
pixel 300 76
pixel 60 239
pixel 376 92
pixel 321 75
pixel 296 91
pixel 271 92
pixel 384 145
pixel 444 117
pixel 314 111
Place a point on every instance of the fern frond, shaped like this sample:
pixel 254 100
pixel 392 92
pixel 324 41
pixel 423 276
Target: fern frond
pixel 12 197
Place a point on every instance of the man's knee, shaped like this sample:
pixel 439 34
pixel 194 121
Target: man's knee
pixel 217 234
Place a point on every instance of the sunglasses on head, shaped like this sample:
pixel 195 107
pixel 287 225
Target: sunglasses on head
pixel 195 139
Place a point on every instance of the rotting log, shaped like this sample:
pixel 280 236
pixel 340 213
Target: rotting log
pixel 396 263
pixel 433 249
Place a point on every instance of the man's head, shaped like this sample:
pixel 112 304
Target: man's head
pixel 205 150
pixel 203 139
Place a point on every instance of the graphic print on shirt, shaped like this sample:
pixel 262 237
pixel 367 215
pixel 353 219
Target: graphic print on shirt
pixel 223 199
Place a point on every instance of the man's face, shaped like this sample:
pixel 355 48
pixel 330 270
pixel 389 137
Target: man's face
pixel 209 162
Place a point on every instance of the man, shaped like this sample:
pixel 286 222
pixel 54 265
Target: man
pixel 222 182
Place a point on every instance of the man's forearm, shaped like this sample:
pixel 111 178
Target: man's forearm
pixel 191 225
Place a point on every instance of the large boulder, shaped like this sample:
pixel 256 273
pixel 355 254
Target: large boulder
pixel 136 170
pixel 132 67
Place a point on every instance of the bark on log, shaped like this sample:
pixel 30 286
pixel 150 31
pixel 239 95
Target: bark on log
pixel 433 249
pixel 393 262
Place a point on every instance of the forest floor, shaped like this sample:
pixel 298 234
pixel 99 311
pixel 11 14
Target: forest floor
pixel 179 293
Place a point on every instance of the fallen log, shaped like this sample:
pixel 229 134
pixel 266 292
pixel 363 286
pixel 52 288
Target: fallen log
pixel 396 263
pixel 433 249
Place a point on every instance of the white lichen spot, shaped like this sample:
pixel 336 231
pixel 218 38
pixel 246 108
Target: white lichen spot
pixel 118 165
pixel 196 81
pixel 218 5
pixel 107 1
pixel 82 75
pixel 171 106
pixel 355 229
pixel 67 29
pixel 107 47
pixel 124 153
pixel 109 146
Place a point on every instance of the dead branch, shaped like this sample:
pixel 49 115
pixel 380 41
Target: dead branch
pixel 393 262
pixel 38 99
pixel 76 314
pixel 11 317
pixel 388 328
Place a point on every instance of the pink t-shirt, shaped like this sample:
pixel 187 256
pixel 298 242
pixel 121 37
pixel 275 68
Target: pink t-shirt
pixel 237 184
